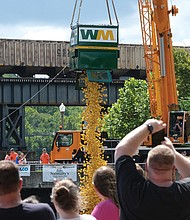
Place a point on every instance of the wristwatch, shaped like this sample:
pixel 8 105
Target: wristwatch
pixel 150 128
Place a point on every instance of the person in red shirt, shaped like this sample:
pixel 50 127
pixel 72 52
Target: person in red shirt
pixel 13 155
pixel 44 158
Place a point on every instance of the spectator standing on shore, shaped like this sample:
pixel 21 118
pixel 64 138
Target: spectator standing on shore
pixel 20 158
pixel 159 196
pixel 11 205
pixel 65 197
pixel 13 154
pixel 104 182
pixel 7 156
pixel 44 158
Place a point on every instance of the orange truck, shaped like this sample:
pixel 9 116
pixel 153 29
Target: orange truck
pixel 66 147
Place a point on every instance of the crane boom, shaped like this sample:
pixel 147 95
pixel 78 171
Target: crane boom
pixel 158 53
pixel 157 42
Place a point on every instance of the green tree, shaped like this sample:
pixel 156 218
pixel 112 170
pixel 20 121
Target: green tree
pixel 182 69
pixel 73 118
pixel 47 109
pixel 130 110
pixel 184 103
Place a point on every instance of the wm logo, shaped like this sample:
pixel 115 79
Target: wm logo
pixel 97 34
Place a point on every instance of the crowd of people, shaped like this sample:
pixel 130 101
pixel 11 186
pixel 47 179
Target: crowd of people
pixel 20 158
pixel 126 193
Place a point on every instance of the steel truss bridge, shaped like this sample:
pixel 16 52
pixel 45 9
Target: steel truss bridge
pixel 16 93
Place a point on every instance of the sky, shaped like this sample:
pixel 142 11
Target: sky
pixel 51 19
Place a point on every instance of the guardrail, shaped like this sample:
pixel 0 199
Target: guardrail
pixel 36 175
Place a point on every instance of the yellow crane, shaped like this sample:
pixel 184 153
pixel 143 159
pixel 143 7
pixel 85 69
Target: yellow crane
pixel 158 53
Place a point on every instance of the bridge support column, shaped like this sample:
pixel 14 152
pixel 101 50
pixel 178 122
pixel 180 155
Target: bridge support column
pixel 12 127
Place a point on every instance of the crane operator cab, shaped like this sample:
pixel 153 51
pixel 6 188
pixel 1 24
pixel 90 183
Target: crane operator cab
pixel 66 146
pixel 178 129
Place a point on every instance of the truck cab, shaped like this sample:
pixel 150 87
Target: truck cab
pixel 66 146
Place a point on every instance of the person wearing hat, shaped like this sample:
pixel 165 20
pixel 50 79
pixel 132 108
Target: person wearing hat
pixel 44 158
pixel 13 154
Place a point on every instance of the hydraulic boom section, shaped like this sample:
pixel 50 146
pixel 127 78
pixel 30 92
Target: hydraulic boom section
pixel 157 41
pixel 158 53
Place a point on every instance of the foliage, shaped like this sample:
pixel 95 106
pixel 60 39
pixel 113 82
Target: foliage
pixel 182 68
pixel 132 107
pixel 73 118
pixel 184 103
pixel 47 109
pixel 130 110
pixel 42 122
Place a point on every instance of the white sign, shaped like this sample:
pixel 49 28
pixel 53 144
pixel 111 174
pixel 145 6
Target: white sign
pixel 90 34
pixel 52 173
pixel 24 170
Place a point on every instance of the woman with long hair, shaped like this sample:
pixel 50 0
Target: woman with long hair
pixel 104 182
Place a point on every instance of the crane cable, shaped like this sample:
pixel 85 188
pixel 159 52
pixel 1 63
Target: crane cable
pixel 114 9
pixel 34 94
pixel 79 12
pixel 108 8
pixel 80 6
pixel 74 10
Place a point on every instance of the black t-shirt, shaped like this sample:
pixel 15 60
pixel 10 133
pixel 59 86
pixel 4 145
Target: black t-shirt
pixel 140 199
pixel 28 211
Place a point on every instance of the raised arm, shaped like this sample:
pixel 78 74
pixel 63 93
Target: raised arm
pixel 182 163
pixel 130 143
